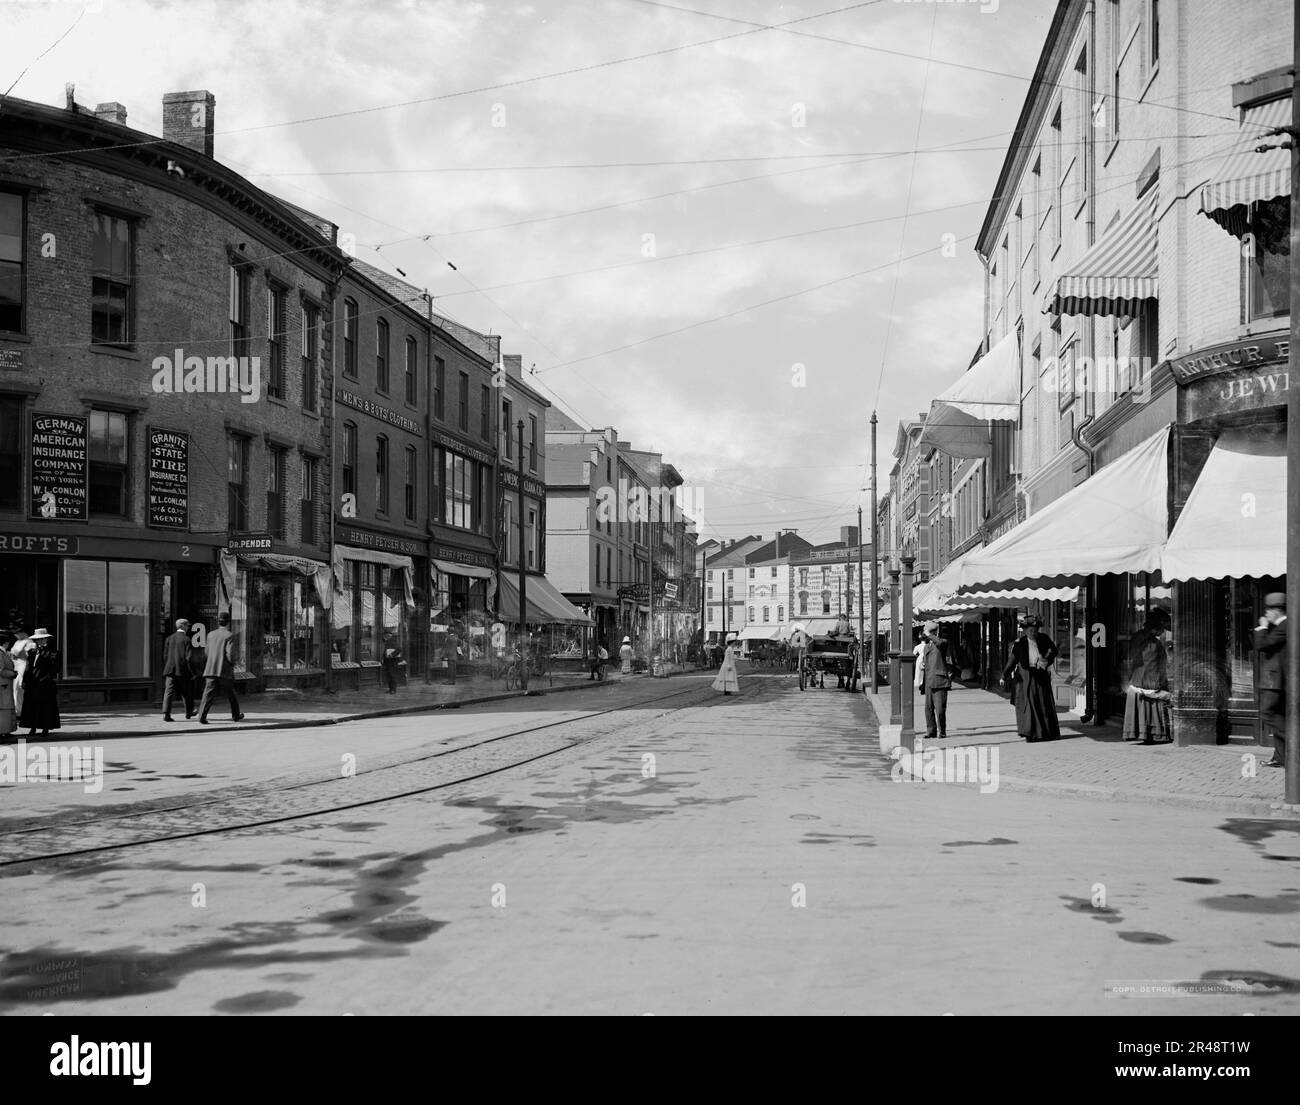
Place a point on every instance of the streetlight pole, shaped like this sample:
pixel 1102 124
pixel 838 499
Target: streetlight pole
pixel 523 572
pixel 875 564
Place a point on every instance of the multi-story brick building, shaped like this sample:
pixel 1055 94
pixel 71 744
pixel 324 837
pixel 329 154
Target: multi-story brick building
pixel 164 351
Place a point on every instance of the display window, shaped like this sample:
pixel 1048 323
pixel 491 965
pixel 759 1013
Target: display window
pixel 105 633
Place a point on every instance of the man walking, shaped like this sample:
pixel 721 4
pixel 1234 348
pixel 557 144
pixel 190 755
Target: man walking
pixel 935 680
pixel 219 671
pixel 178 654
pixel 1270 643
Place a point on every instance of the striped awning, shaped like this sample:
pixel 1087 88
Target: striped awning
pixel 1247 176
pixel 1119 273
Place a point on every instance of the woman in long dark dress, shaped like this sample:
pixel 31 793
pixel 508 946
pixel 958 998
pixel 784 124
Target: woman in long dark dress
pixel 1147 706
pixel 41 688
pixel 1029 678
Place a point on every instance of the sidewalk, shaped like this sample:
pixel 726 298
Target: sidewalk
pixel 1094 761
pixel 291 711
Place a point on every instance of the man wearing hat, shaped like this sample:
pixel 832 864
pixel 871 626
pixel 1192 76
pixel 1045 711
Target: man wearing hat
pixel 934 680
pixel 178 657
pixel 1270 643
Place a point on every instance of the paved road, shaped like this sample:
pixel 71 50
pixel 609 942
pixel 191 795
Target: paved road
pixel 703 855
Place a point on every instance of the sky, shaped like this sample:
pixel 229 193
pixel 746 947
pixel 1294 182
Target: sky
pixel 708 231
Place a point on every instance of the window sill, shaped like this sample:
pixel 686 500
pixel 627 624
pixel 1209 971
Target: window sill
pixel 125 352
pixel 308 413
pixel 278 400
pixel 1263 326
pixel 15 336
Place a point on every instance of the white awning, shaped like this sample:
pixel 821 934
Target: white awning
pixel 958 422
pixel 374 556
pixel 1234 523
pixel 1248 175
pixel 1117 521
pixel 1118 273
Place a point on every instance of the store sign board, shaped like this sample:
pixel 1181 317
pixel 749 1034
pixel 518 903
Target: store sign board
pixel 169 479
pixel 377 410
pixel 59 469
pixel 1245 390
pixel 464 449
pixel 11 358
pixel 364 539
pixel 249 542
pixel 534 487
pixel 1256 352
pixel 43 543
pixel 462 556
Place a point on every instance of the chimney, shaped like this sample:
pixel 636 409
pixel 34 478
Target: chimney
pixel 188 119
pixel 111 112
pixel 514 363
pixel 849 535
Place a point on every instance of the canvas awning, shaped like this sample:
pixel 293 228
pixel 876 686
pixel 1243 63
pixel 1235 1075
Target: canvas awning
pixel 1117 521
pixel 317 571
pixel 1234 523
pixel 1119 273
pixel 546 606
pixel 958 422
pixel 373 556
pixel 941 600
pixel 1248 176
pixel 760 633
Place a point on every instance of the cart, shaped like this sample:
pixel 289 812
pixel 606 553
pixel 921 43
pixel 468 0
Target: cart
pixel 822 653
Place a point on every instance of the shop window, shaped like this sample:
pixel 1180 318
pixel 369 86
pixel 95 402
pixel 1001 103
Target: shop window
pixel 237 482
pixel 108 456
pixel 351 318
pixel 462 403
pixel 310 320
pixel 381 474
pixel 276 464
pixel 275 335
pixel 11 453
pixel 439 388
pixel 112 292
pixel 238 311
pixel 308 502
pixel 381 356
pixel 1266 261
pixel 370 620
pixel 105 633
pixel 12 285
pixel 412 368
pixel 349 458
pixel 408 490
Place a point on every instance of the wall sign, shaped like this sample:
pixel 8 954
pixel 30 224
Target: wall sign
pixel 1253 352
pixel 249 542
pixel 169 479
pixel 462 556
pixel 375 410
pixel 11 358
pixel 58 467
pixel 38 543
pixel 363 539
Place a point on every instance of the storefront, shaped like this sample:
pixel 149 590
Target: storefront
pixel 563 629
pixel 463 598
pixel 377 605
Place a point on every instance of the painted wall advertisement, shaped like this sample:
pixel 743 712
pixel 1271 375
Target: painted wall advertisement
pixel 59 468
pixel 169 479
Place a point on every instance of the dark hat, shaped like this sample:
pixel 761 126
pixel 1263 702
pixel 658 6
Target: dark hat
pixel 1276 599
pixel 1033 621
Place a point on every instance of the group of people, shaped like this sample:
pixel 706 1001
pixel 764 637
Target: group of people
pixel 29 689
pixel 600 657
pixel 187 667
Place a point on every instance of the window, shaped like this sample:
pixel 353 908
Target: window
pixel 803 602
pixel 11 455
pixel 1059 168
pixel 310 319
pixel 780 613
pixel 1153 36
pixel 1112 108
pixel 607 555
pixel 462 416
pixel 485 413
pixel 108 462
pixel 275 471
pixel 351 317
pixel 307 505
pixel 709 596
pixel 826 602
pixel 1266 261
pixel 459 481
pixel 381 474
pixel 12 239
pixel 106 630
pixel 112 302
pixel 751 615
pixel 774 573
pixel 766 611
pixel 1035 267
pixel 349 458
pixel 509 530
pixel 532 447
pixel 408 496
pixel 731 573
pixel 238 311
pixel 507 428
pixel 381 356
pixel 275 336
pixel 1085 124
pixel 412 368
pixel 439 387
pixel 237 482
pixel 534 552
pixel 751 573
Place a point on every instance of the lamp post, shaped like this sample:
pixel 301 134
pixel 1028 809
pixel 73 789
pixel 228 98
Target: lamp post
pixel 906 657
pixel 862 591
pixel 523 572
pixel 895 692
pixel 875 565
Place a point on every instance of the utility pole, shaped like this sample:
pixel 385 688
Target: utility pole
pixel 524 650
pixel 1292 755
pixel 875 564
pixel 862 598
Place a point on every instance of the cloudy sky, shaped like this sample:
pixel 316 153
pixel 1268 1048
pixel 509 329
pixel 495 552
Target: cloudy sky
pixel 676 212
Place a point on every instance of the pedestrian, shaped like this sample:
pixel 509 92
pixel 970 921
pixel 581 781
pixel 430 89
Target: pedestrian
pixel 394 661
pixel 24 648
pixel 219 671
pixel 41 687
pixel 1147 710
pixel 1270 644
pixel 8 674
pixel 727 680
pixel 1028 676
pixel 598 661
pixel 625 656
pixel 935 680
pixel 178 659
pixel 451 652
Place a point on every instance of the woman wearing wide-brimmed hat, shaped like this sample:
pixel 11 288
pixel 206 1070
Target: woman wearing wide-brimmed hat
pixel 41 687
pixel 8 675
pixel 1029 679
pixel 625 656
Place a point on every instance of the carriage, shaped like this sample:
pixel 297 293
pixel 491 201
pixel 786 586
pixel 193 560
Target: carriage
pixel 826 649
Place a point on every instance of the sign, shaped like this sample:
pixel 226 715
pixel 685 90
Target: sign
pixel 249 542
pixel 670 590
pixel 11 358
pixel 346 535
pixel 1245 390
pixel 462 556
pixel 384 414
pixel 510 479
pixel 59 472
pixel 460 447
pixel 169 479
pixel 34 543
pixel 1253 352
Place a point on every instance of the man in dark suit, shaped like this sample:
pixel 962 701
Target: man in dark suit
pixel 219 671
pixel 178 654
pixel 935 680
pixel 1270 643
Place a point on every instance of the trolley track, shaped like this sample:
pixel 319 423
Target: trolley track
pixel 132 827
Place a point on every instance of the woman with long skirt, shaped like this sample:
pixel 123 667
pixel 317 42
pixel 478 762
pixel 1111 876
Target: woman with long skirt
pixel 8 674
pixel 1028 676
pixel 41 688
pixel 727 681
